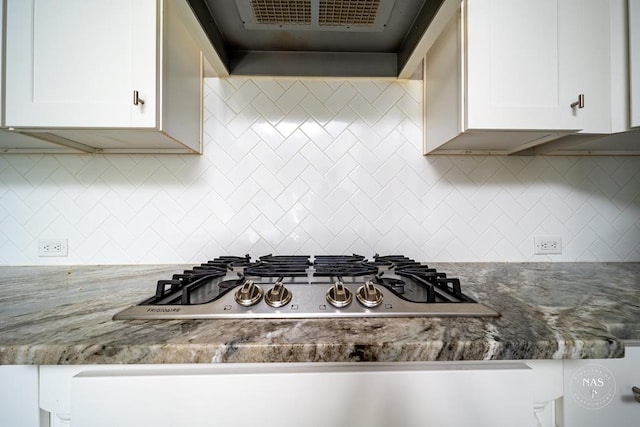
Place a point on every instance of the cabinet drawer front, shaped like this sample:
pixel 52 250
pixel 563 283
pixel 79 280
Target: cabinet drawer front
pixel 306 396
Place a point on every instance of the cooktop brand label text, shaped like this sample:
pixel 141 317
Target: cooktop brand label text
pixel 163 310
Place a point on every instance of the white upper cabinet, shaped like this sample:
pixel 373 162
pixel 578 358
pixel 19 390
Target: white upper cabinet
pixel 507 75
pixel 10 140
pixel 634 60
pixel 520 65
pixel 2 38
pixel 77 63
pixel 608 53
pixel 119 76
pixel 602 66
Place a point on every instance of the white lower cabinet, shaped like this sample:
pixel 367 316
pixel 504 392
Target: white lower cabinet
pixel 19 397
pixel 305 396
pixel 332 394
pixel 539 393
pixel 599 392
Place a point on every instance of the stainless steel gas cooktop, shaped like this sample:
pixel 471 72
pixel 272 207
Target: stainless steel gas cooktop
pixel 300 286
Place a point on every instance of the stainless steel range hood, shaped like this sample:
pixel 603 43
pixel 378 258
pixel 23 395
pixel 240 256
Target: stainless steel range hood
pixel 321 38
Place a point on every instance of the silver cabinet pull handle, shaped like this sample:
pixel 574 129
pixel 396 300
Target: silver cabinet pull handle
pixel 579 103
pixel 636 393
pixel 136 99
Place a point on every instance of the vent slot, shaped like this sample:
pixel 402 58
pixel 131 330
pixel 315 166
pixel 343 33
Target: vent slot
pixel 316 15
pixel 281 12
pixel 348 13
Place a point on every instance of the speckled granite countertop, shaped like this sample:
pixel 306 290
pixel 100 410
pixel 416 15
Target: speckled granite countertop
pixel 62 315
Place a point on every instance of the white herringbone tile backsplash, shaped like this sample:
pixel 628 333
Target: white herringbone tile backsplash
pixel 312 166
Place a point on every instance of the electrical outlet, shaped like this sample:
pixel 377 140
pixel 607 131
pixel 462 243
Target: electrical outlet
pixel 547 245
pixel 52 247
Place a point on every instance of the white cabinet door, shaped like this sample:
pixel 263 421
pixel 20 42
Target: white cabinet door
pixel 2 37
pixel 521 64
pixel 514 74
pixel 76 63
pixel 598 392
pixel 634 60
pixel 19 396
pixel 602 70
pixel 607 73
pixel 502 76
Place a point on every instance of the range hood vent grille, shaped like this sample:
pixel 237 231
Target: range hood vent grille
pixel 279 12
pixel 359 12
pixel 316 15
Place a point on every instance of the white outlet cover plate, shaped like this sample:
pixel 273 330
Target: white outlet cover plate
pixel 548 245
pixel 53 247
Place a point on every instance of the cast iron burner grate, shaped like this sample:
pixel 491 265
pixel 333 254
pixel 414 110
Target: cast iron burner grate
pixel 342 266
pixel 301 286
pixel 280 265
